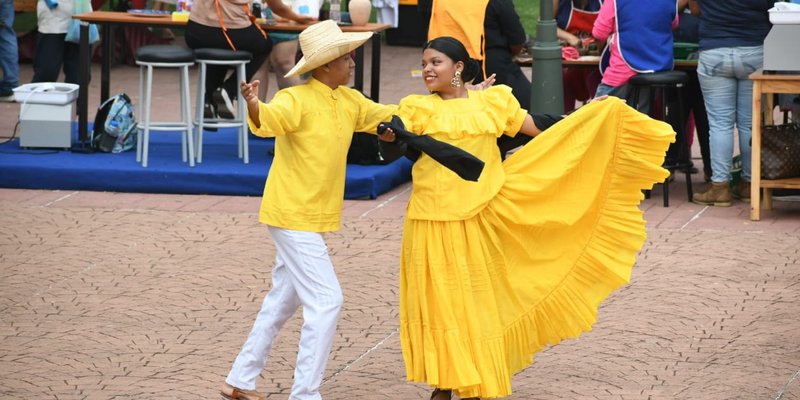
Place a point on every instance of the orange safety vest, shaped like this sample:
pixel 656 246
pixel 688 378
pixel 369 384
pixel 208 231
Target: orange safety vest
pixel 463 20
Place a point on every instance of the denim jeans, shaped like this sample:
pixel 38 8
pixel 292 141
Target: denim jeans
pixel 619 91
pixel 9 55
pixel 728 94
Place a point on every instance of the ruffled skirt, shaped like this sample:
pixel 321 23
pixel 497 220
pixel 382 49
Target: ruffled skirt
pixel 479 297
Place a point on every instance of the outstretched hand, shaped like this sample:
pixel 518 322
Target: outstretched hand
pixel 488 82
pixel 250 91
pixel 250 94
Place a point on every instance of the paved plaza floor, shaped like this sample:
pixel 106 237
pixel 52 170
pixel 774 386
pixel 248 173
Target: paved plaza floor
pixel 137 296
pixel 150 296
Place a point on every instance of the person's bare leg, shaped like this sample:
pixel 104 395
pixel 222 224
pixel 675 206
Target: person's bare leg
pixel 263 75
pixel 282 59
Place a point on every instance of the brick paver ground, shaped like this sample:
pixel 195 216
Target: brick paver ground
pixel 132 296
pixel 136 296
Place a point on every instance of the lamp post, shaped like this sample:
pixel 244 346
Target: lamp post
pixel 547 94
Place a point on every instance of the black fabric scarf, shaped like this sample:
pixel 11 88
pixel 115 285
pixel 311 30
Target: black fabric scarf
pixel 464 164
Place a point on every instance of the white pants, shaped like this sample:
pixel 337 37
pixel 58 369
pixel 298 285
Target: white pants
pixel 303 275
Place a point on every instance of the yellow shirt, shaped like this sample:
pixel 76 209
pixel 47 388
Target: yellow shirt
pixel 472 124
pixel 313 126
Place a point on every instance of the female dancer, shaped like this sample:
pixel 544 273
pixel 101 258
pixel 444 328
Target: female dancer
pixel 494 270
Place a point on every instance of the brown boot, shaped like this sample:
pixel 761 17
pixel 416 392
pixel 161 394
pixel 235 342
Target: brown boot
pixel 718 195
pixel 742 191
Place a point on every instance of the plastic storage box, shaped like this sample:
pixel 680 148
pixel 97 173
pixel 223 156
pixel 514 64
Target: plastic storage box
pixel 55 93
pixel 685 51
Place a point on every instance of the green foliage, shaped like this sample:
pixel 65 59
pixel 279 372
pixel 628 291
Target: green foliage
pixel 25 22
pixel 528 11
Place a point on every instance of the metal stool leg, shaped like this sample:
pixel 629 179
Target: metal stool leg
pixel 663 95
pixel 139 139
pixel 186 114
pixel 201 94
pixel 244 131
pixel 147 114
pixel 686 148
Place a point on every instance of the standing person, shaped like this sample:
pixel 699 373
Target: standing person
pixel 729 53
pixel 52 51
pixel 281 60
pixel 9 54
pixel 228 24
pixel 303 198
pixel 574 21
pixel 494 270
pixel 493 34
pixel 639 40
pixel 462 20
pixel 505 37
pixel 688 32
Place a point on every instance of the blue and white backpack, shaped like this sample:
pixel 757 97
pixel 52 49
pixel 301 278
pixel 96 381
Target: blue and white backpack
pixel 114 125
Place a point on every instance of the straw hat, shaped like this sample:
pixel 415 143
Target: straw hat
pixel 324 42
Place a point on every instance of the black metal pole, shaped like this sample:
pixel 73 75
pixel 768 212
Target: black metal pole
pixel 83 92
pixel 547 94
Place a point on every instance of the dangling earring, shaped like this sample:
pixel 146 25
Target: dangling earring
pixel 456 81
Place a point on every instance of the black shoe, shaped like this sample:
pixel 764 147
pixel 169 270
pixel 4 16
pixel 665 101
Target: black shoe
pixel 223 104
pixel 208 111
pixel 209 114
pixel 7 96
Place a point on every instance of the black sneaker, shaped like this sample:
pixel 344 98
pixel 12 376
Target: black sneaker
pixel 223 104
pixel 7 96
pixel 208 111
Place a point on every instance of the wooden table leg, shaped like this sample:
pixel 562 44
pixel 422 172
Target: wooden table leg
pixel 755 155
pixel 767 203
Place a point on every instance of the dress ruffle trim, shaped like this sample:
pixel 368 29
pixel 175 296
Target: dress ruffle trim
pixel 610 253
pixel 455 119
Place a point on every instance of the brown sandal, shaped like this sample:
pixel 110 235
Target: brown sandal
pixel 229 392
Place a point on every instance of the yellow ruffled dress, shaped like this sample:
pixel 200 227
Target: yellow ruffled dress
pixel 493 271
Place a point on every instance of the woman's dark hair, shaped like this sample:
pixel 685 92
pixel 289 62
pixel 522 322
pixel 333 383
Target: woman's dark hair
pixel 454 49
